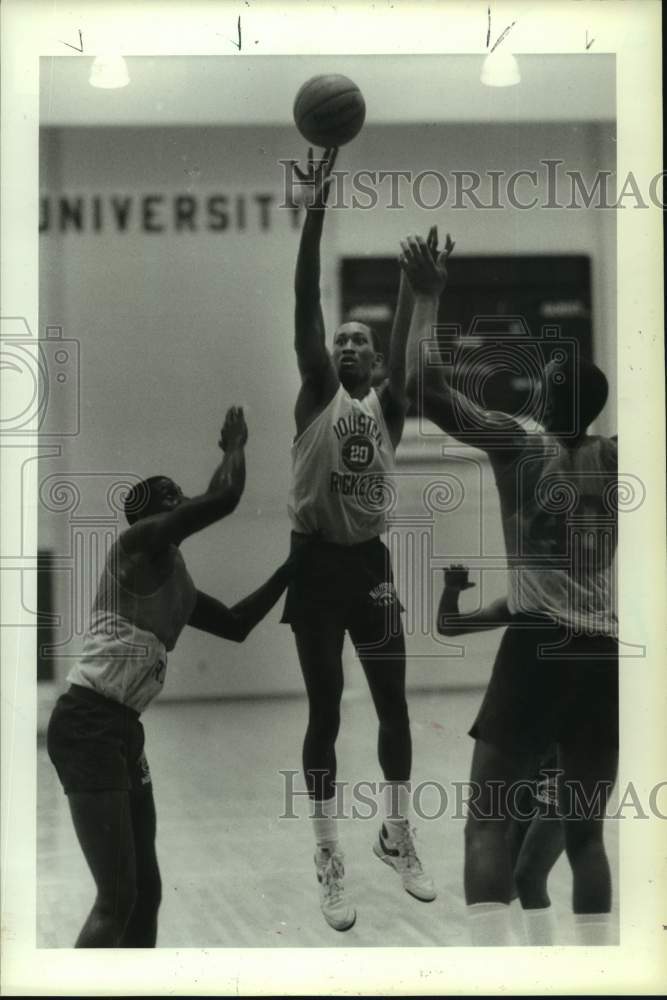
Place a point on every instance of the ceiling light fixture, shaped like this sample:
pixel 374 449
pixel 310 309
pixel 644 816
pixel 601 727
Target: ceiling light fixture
pixel 109 72
pixel 500 69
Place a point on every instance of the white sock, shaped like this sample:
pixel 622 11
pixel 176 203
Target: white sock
pixel 489 924
pixel 592 928
pixel 516 922
pixel 396 807
pixel 324 823
pixel 540 926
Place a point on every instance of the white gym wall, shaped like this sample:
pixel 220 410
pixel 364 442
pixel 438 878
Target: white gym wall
pixel 175 326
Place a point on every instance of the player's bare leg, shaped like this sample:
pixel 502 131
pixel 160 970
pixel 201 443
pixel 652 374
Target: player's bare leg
pixel 488 875
pixel 590 768
pixel 320 651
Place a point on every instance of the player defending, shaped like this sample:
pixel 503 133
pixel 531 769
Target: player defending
pixel 95 739
pixel 346 433
pixel 535 833
pixel 555 679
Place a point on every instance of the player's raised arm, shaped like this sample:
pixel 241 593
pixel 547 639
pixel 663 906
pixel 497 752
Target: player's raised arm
pixel 451 621
pixel 156 532
pixel 428 385
pixel 394 395
pixel 318 375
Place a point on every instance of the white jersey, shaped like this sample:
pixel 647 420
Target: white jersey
pixel 121 661
pixel 125 648
pixel 341 471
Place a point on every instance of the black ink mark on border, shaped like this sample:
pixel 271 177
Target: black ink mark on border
pixel 588 44
pixel 238 44
pixel 75 47
pixel 504 35
pixel 488 30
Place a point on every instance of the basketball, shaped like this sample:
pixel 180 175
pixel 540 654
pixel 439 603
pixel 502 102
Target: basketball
pixel 329 110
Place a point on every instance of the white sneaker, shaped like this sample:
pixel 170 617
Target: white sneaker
pixel 402 856
pixel 330 873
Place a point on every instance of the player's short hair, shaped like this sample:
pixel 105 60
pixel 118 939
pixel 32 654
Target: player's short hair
pixel 593 391
pixel 376 339
pixel 139 497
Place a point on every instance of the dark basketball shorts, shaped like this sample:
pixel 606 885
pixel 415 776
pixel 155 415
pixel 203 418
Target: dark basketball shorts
pixel 349 585
pixel 539 695
pixel 96 744
pixel 539 795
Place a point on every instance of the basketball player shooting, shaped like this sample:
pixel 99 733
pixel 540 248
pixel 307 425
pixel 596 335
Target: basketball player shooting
pixel 95 738
pixel 555 678
pixel 346 433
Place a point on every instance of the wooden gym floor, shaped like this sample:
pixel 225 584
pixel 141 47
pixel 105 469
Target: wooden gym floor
pixel 234 875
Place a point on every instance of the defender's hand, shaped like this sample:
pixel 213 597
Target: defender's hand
pixel 234 433
pixel 424 266
pixel 456 578
pixel 316 179
pixel 432 244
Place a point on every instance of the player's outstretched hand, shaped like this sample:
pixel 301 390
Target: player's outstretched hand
pixel 234 433
pixel 439 256
pixel 424 265
pixel 456 578
pixel 316 178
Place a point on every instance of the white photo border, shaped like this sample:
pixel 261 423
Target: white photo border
pixel 32 29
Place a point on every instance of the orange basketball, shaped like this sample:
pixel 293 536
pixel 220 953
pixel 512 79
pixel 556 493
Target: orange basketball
pixel 329 110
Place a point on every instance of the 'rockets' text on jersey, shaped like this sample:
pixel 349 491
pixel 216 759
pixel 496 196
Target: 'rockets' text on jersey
pixel 341 466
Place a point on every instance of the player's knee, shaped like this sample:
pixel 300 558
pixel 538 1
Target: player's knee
pixel 118 900
pixel 522 880
pixel 127 899
pixel 530 884
pixel 150 884
pixel 580 835
pixel 157 892
pixel 149 893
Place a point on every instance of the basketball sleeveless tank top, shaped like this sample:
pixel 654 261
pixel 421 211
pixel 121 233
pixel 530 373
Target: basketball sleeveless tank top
pixel 561 535
pixel 341 470
pixel 124 654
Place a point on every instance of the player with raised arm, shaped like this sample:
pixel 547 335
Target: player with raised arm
pixel 451 621
pixel 535 833
pixel 343 454
pixel 95 740
pixel 555 678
